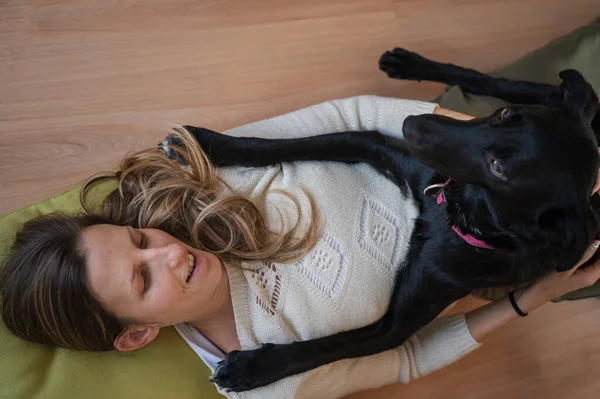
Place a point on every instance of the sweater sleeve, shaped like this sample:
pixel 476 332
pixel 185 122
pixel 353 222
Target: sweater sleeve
pixel 442 342
pixel 360 113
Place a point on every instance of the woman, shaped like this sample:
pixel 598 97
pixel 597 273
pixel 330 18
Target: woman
pixel 194 247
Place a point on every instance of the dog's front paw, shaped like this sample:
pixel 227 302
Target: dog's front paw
pixel 401 64
pixel 167 147
pixel 245 370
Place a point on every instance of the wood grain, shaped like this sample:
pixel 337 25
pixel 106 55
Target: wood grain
pixel 84 82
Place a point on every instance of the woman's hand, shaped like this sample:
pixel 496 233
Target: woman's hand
pixel 557 284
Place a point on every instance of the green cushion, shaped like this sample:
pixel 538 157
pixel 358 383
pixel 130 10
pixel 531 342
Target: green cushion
pixel 578 50
pixel 166 369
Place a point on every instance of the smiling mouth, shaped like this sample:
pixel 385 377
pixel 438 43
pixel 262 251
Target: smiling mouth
pixel 191 267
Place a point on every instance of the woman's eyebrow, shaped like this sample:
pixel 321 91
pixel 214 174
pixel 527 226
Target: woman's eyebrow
pixel 132 235
pixel 134 269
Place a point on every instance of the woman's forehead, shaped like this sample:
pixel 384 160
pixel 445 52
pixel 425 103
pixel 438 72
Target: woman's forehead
pixel 109 256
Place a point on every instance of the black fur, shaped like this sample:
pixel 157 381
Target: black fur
pixel 539 217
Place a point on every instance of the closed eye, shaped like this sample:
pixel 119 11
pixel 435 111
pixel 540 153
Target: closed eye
pixel 142 241
pixel 145 280
pixel 144 274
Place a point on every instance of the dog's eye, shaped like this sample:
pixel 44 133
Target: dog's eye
pixel 496 169
pixel 505 113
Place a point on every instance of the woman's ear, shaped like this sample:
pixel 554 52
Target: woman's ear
pixel 135 337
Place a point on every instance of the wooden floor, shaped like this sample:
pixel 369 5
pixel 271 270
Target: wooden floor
pixel 83 82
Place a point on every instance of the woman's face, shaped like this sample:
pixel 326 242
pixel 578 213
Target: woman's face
pixel 149 276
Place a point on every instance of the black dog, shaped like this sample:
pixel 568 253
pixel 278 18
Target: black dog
pixel 513 202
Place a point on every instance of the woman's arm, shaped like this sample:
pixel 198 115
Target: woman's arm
pixel 440 343
pixel 452 114
pixel 484 320
pixel 360 113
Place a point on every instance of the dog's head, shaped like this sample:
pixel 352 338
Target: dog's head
pixel 524 175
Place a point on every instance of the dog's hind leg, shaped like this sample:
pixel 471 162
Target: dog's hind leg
pixel 403 64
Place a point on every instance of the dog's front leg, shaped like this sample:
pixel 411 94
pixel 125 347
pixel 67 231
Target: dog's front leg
pixel 416 301
pixel 403 64
pixel 375 148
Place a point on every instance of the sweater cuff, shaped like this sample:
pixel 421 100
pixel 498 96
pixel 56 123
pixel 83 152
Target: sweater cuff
pixel 441 343
pixel 459 330
pixel 386 115
pixel 424 107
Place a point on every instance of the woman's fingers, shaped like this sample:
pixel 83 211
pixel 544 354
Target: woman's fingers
pixel 557 284
pixel 589 252
pixel 588 275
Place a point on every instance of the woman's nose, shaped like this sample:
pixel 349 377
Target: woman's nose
pixel 176 256
pixel 172 256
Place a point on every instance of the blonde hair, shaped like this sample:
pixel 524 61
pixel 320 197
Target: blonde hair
pixel 182 198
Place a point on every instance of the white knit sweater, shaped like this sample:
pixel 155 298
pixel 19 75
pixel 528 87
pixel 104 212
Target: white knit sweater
pixel 346 280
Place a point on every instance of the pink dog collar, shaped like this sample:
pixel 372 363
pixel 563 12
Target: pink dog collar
pixel 441 199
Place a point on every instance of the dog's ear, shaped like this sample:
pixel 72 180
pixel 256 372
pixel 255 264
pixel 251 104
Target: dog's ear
pixel 578 95
pixel 570 230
